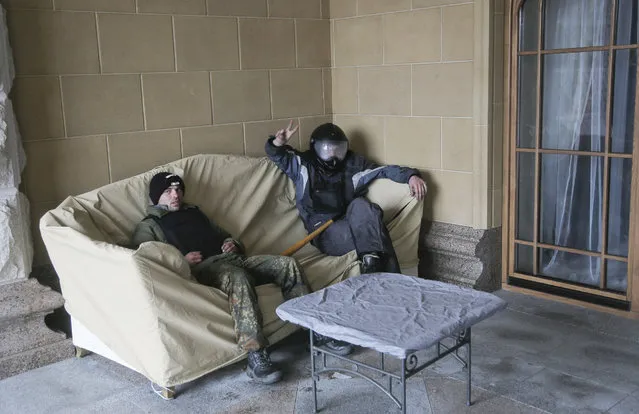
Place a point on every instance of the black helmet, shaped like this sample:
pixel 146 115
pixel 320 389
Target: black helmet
pixel 330 145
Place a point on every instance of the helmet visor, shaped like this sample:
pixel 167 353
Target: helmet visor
pixel 327 150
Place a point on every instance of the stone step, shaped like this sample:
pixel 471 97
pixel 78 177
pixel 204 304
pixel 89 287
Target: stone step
pixel 20 299
pixel 27 342
pixel 36 357
pixel 21 334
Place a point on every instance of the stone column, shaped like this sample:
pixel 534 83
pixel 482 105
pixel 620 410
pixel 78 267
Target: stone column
pixel 25 340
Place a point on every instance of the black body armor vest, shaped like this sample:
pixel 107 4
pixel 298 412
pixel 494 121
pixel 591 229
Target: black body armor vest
pixel 190 231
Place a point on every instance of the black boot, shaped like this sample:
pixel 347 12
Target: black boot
pixel 261 369
pixel 337 347
pixel 371 263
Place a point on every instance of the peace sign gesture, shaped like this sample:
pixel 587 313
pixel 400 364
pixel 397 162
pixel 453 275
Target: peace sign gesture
pixel 284 135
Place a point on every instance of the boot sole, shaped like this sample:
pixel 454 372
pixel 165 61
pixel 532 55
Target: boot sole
pixel 271 378
pixel 342 352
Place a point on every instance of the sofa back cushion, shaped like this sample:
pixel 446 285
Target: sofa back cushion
pixel 249 197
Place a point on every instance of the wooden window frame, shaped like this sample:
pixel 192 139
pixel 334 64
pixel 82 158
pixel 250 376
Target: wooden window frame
pixel 512 53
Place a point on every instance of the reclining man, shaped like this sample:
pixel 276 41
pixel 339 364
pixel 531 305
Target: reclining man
pixel 330 183
pixel 216 260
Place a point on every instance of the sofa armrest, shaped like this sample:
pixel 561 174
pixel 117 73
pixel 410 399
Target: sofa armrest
pixel 163 256
pixel 133 300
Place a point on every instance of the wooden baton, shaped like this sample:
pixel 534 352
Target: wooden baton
pixel 305 240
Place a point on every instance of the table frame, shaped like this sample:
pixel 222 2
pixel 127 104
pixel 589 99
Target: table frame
pixel 410 366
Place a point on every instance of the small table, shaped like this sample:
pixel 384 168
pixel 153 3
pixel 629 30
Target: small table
pixel 396 315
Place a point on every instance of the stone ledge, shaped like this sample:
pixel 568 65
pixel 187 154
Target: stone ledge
pixel 461 255
pixel 20 299
pixel 27 342
pixel 35 358
pixel 22 334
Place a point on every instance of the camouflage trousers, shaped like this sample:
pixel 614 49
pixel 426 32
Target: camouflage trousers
pixel 237 276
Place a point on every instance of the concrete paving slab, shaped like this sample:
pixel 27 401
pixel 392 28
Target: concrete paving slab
pixel 68 384
pixel 358 396
pixel 194 398
pixel 623 327
pixel 448 395
pixel 522 332
pixel 112 405
pixel 112 367
pixel 490 372
pixel 281 400
pixel 572 315
pixel 610 361
pixel 628 406
pixel 556 311
pixel 558 392
pixel 555 357
pixel 229 390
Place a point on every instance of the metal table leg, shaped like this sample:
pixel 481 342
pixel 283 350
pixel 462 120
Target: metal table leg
pixel 468 365
pixel 310 331
pixel 410 366
pixel 403 381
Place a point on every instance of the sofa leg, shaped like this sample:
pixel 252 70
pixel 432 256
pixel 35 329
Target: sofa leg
pixel 81 352
pixel 168 393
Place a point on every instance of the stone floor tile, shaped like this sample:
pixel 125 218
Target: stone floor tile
pixel 281 400
pixel 628 406
pixel 64 385
pixel 558 392
pixel 448 395
pixel 358 396
pixel 112 405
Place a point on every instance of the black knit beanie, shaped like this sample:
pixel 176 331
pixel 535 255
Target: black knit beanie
pixel 162 181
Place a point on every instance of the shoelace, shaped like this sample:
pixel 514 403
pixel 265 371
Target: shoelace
pixel 261 359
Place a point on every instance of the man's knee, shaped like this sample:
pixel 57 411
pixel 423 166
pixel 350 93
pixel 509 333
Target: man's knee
pixel 361 206
pixel 235 279
pixel 241 279
pixel 288 261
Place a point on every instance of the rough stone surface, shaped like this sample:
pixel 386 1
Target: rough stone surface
pixel 6 58
pixel 36 357
pixel 12 157
pixel 22 298
pixel 27 342
pixel 461 255
pixel 21 334
pixel 16 249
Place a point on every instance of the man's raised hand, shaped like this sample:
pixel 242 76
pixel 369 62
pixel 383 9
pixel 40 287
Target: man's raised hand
pixel 284 135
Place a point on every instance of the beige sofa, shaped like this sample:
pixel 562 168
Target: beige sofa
pixel 143 309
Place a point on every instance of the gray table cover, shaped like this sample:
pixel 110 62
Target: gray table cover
pixel 391 313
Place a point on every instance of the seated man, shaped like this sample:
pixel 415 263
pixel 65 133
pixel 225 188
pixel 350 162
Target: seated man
pixel 216 260
pixel 330 183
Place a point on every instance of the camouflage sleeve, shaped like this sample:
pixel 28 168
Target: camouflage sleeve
pixel 145 231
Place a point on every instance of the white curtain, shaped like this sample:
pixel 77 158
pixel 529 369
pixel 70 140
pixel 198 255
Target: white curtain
pixel 573 118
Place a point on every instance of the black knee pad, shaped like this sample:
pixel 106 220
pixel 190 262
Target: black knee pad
pixel 372 263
